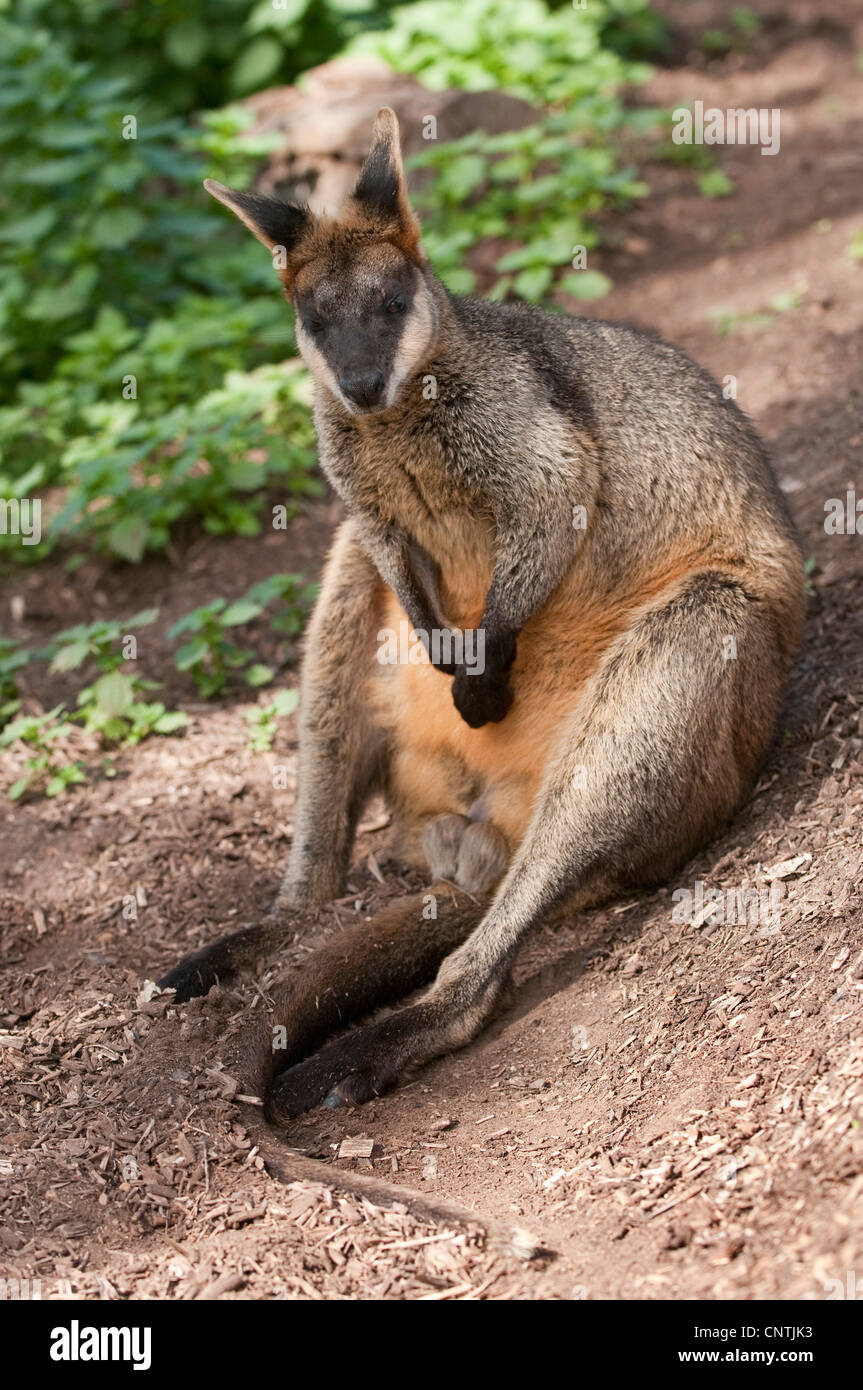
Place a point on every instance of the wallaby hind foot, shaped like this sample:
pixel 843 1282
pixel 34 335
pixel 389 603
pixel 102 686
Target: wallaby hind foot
pixel 471 854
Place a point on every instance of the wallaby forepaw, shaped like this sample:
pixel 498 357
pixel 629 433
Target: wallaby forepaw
pixel 481 699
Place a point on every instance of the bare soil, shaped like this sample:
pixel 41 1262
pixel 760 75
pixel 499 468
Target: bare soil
pixel 673 1108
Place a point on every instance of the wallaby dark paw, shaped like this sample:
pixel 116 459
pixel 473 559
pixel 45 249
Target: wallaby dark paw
pixel 353 1069
pixel 195 974
pixel 199 971
pixel 482 698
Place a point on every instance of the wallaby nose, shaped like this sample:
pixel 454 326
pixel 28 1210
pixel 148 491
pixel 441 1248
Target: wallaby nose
pixel 363 388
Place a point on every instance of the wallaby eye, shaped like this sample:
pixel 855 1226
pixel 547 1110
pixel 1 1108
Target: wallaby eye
pixel 396 305
pixel 315 327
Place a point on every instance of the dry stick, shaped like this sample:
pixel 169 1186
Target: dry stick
pixel 502 1235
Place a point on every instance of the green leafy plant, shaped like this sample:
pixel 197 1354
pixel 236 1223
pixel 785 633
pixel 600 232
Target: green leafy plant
pixel 96 642
pixel 200 53
pixel 133 316
pixel 295 596
pixel 46 766
pixel 211 657
pixel 208 655
pixel 212 458
pixel 110 706
pixel 263 719
pixel 541 187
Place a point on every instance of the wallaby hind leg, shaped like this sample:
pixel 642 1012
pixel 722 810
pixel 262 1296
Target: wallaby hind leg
pixel 664 743
pixel 342 761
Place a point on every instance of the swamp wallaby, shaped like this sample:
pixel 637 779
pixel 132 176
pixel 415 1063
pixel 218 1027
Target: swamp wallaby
pixel 574 506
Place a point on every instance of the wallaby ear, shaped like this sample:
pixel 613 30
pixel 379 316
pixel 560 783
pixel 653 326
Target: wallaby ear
pixel 381 193
pixel 269 219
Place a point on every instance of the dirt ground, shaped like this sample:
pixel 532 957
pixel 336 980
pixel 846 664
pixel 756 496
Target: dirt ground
pixel 674 1109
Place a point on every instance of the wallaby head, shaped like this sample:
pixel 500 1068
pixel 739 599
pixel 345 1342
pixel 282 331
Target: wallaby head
pixel 366 313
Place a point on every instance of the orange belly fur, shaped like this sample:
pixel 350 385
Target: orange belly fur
pixel 559 649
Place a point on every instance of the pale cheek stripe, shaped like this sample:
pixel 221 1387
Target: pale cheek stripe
pixel 320 368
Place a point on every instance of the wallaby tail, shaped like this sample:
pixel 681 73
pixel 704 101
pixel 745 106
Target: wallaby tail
pixel 502 1235
pixel 368 965
pixel 360 969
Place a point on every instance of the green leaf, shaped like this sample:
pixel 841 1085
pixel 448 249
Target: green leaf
pixel 258 674
pixel 256 65
pixel 62 301
pixel 191 653
pixel 186 42
pixel 170 721
pixel 71 656
pixel 113 693
pixel 586 284
pixel 285 702
pixel 460 280
pixel 112 727
pixel 127 538
pixel 117 227
pixel 30 228
pixel 60 171
pixel 533 282
pixel 714 183
pixel 243 611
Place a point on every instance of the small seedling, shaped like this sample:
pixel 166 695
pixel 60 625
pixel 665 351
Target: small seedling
pixel 262 720
pixel 40 733
pixel 12 660
pixel 110 706
pixel 210 657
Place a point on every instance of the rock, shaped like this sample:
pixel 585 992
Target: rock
pixel 326 124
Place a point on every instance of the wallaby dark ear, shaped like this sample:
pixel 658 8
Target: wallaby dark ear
pixel 381 193
pixel 269 219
